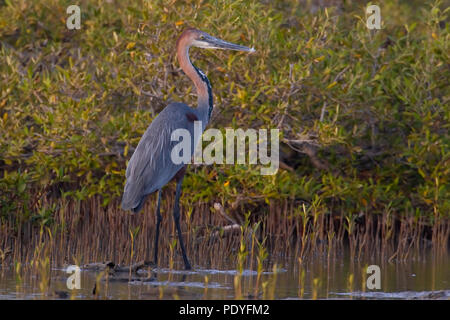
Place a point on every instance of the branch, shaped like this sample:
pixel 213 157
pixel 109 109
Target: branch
pixel 308 147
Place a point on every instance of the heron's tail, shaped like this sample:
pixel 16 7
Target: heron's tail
pixel 132 198
pixel 140 205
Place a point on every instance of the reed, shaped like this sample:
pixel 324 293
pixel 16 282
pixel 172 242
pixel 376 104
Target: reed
pixel 87 231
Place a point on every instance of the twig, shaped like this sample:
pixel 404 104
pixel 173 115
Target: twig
pixel 308 147
pixel 222 212
pixel 111 266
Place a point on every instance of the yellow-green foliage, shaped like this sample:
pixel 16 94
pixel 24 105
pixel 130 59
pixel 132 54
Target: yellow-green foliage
pixel 73 104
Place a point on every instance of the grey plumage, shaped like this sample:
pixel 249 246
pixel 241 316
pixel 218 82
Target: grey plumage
pixel 150 167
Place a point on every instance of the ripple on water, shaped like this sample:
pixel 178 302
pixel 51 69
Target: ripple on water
pixel 245 273
pixel 209 285
pixel 441 294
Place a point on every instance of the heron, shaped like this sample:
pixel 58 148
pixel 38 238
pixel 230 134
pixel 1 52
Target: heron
pixel 150 167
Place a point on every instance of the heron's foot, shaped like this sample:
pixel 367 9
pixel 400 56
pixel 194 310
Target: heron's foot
pixel 187 265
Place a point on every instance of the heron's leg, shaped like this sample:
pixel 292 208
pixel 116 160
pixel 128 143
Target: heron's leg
pixel 176 216
pixel 158 222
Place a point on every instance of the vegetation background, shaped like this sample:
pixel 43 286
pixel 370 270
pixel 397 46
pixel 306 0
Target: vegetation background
pixel 364 114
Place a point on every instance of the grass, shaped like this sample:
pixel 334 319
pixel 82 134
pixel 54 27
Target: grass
pixel 363 114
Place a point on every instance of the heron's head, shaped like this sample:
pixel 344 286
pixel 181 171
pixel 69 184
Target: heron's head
pixel 200 39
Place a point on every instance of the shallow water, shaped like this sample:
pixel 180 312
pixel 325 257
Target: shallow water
pixel 336 278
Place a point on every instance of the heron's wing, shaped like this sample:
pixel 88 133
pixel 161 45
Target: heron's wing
pixel 151 166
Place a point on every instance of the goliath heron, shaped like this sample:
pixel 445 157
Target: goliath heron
pixel 151 167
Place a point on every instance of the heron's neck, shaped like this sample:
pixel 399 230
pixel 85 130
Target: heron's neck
pixel 205 101
pixel 201 82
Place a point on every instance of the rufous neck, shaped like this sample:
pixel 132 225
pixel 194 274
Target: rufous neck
pixel 199 79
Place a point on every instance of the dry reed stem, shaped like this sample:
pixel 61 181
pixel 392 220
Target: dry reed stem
pixel 86 232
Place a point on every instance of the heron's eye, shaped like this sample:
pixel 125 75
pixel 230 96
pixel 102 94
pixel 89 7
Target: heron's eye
pixel 202 37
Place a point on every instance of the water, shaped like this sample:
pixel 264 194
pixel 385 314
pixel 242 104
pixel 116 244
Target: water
pixel 337 278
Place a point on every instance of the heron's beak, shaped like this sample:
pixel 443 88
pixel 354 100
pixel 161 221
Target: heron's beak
pixel 213 43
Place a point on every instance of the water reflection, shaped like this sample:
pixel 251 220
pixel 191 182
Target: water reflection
pixel 339 277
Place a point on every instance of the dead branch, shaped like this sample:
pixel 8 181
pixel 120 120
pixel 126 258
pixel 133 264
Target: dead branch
pixel 222 212
pixel 112 267
pixel 308 147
